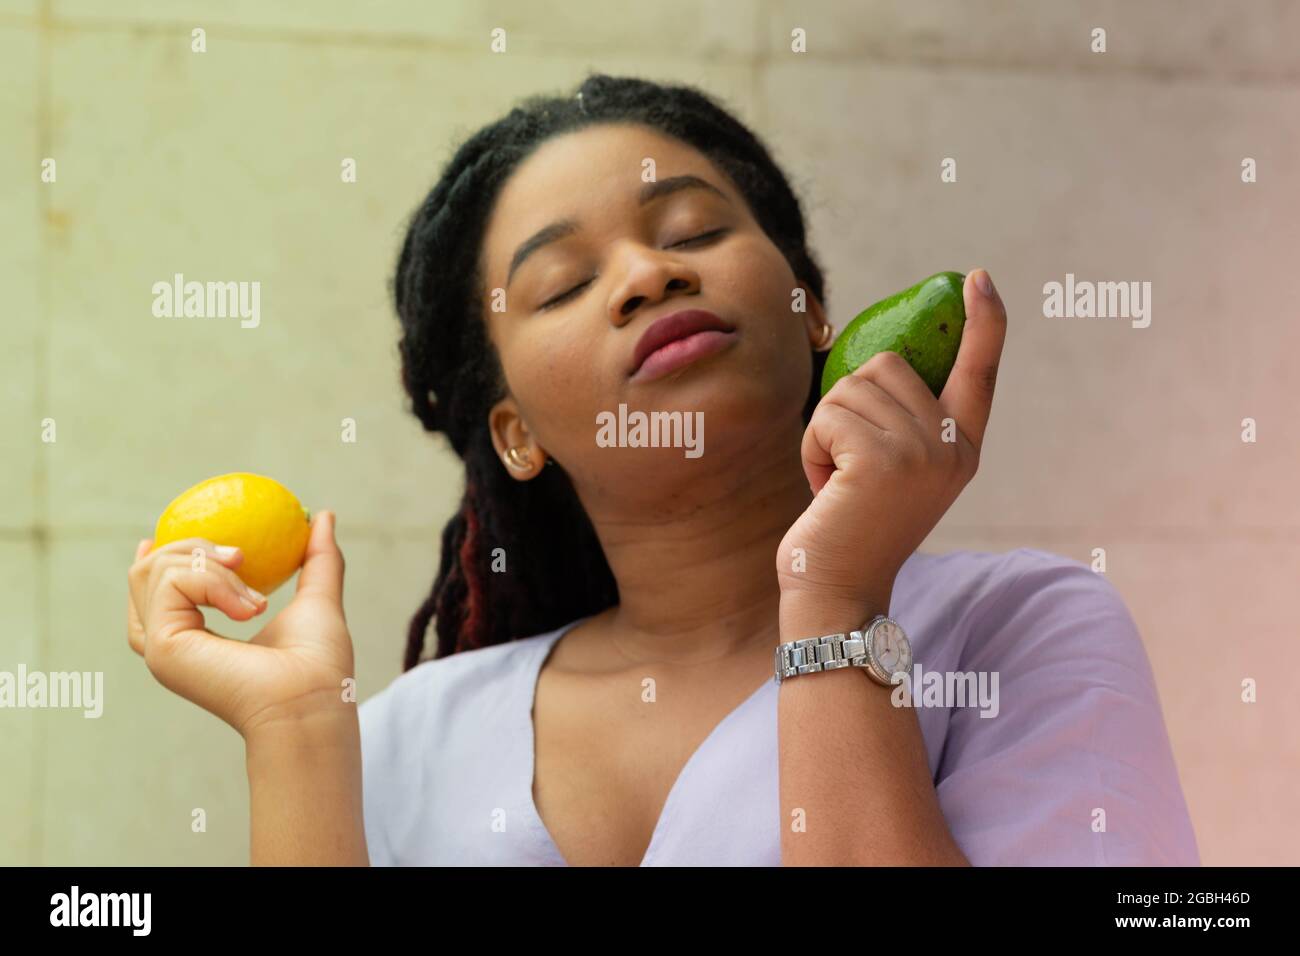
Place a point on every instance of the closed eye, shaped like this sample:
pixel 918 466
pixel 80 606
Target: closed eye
pixel 565 296
pixel 707 235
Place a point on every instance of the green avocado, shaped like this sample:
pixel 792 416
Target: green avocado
pixel 923 324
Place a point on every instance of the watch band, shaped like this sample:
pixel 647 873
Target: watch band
pixel 813 654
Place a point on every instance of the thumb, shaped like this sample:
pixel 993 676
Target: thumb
pixel 968 394
pixel 322 568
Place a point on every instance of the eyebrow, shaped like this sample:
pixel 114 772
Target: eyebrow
pixel 567 227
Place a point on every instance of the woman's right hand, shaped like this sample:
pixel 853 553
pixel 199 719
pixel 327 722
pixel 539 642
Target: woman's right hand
pixel 295 669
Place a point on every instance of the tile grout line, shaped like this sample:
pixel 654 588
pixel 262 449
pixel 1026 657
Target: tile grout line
pixel 43 533
pixel 1237 76
pixel 758 68
pixel 43 537
pixel 40 476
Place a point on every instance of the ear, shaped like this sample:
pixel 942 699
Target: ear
pixel 509 430
pixel 814 315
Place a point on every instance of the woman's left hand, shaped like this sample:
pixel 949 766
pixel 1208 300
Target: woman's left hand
pixel 885 460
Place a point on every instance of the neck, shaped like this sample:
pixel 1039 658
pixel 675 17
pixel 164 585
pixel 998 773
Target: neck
pixel 696 564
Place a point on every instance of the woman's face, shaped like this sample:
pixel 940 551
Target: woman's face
pixel 569 312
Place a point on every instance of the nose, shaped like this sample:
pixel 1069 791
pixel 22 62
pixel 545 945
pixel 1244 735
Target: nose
pixel 650 277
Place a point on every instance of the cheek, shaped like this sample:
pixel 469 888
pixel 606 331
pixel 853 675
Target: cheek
pixel 561 380
pixel 757 288
pixel 755 283
pixel 534 365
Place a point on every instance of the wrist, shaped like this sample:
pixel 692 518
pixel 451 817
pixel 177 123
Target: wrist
pixel 315 731
pixel 317 755
pixel 316 713
pixel 305 792
pixel 812 614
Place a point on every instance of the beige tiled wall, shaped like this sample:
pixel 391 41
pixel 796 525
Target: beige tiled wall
pixel 1120 166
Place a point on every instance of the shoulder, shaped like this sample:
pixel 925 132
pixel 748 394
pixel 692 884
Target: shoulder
pixel 1047 608
pixel 984 575
pixel 998 605
pixel 1072 762
pixel 448 684
pixel 1037 620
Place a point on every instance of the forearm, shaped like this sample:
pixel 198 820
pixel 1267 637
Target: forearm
pixel 853 763
pixel 304 784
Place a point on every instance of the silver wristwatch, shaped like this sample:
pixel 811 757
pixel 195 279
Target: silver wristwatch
pixel 881 648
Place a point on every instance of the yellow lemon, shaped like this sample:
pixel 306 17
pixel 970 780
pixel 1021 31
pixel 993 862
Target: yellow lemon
pixel 255 513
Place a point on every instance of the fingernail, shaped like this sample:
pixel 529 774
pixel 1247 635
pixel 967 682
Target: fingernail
pixel 254 599
pixel 225 550
pixel 985 283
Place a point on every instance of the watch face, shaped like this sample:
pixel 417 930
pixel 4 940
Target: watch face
pixel 891 648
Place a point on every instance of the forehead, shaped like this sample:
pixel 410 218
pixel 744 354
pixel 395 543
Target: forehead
pixel 594 170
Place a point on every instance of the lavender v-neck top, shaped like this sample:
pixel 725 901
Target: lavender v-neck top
pixel 1073 767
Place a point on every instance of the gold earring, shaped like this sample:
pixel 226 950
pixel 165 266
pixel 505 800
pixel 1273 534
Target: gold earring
pixel 828 333
pixel 518 459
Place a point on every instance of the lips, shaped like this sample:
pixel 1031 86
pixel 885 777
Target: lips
pixel 673 327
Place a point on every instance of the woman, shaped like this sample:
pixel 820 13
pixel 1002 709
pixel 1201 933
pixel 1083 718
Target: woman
pixel 602 688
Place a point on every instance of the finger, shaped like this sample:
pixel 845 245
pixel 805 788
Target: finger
pixel 904 385
pixel 229 555
pixel 180 652
pixel 134 629
pixel 862 394
pixel 824 447
pixel 968 394
pixel 322 568
pixel 173 616
pixel 140 577
pixel 180 545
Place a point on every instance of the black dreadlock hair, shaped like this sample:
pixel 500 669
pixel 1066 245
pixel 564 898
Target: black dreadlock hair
pixel 557 568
